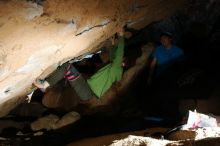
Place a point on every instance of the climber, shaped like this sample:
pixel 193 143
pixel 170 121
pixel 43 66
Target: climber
pixel 164 56
pixel 97 84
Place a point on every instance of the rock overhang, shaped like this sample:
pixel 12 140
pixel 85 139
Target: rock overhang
pixel 37 36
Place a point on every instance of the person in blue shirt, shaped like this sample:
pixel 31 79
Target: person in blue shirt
pixel 164 56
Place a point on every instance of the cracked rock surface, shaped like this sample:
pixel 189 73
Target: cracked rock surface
pixel 36 36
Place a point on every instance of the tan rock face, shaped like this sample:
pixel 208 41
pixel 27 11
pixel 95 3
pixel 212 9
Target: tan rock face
pixel 35 39
pixel 53 122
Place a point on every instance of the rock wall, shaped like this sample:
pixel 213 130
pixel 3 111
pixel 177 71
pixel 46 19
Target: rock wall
pixel 36 36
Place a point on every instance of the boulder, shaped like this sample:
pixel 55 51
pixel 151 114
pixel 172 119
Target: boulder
pixel 50 122
pixel 37 36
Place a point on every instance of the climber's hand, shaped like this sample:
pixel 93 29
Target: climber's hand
pixel 41 84
pixel 113 40
pixel 120 31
